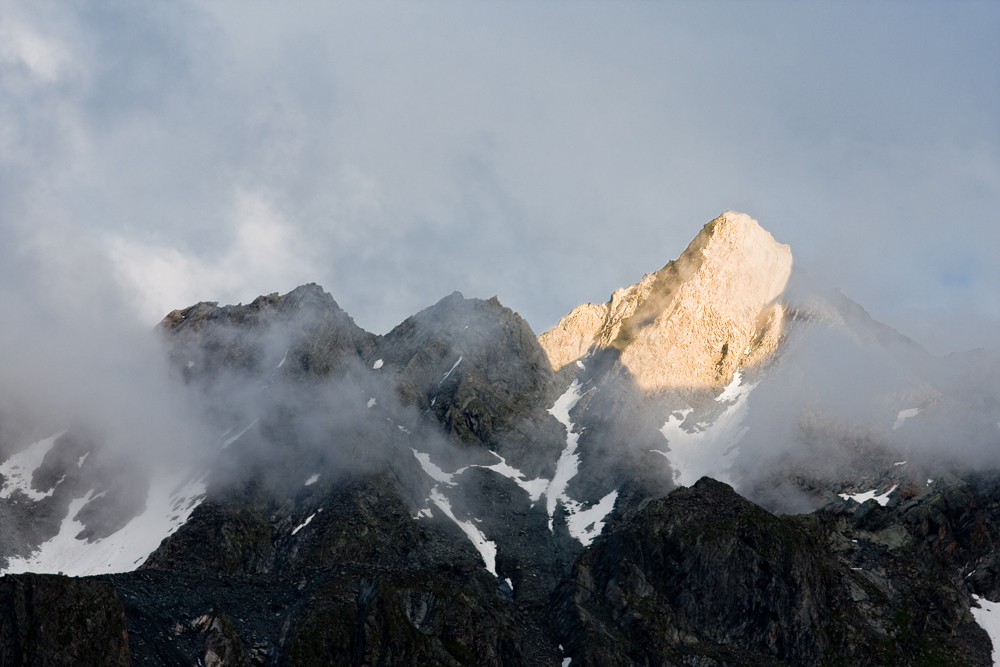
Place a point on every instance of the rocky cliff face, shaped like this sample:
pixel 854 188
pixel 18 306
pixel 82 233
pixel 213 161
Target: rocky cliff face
pixel 696 320
pixel 55 620
pixel 704 577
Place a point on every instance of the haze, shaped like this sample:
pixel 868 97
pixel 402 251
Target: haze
pixel 155 155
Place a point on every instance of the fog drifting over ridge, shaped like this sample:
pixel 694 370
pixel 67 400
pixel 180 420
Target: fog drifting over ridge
pixel 157 156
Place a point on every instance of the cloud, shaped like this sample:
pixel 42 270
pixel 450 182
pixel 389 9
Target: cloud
pixel 44 58
pixel 544 156
pixel 266 254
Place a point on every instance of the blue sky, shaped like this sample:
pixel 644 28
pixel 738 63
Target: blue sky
pixel 157 154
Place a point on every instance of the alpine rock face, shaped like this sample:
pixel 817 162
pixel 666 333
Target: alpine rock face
pixel 694 322
pixel 718 466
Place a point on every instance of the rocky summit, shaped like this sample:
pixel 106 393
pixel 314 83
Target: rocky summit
pixel 697 320
pixel 717 466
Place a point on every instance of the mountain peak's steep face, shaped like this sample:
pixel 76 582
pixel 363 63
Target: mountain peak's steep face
pixel 696 320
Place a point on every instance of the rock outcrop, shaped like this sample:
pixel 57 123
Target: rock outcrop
pixel 697 320
pixel 55 620
pixel 705 577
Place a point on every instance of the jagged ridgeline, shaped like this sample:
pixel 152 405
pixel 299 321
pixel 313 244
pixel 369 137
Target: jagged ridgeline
pixel 718 466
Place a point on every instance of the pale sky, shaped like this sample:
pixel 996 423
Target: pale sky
pixel 157 154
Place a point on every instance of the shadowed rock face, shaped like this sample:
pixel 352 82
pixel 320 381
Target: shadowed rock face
pixel 474 364
pixel 705 577
pixel 55 620
pixel 305 328
pixel 696 320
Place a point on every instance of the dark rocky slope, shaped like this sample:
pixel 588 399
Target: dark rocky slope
pixel 705 577
pixel 51 620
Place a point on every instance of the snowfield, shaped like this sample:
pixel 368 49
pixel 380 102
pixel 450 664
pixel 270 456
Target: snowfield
pixel 708 448
pixel 169 503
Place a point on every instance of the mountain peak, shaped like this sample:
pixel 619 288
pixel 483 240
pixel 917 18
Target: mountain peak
pixel 694 322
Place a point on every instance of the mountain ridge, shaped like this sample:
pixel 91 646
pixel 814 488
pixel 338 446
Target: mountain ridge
pixel 442 494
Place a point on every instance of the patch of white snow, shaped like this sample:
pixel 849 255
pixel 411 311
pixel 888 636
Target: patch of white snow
pixel 583 523
pixel 371 402
pixel 569 461
pixel 377 365
pixel 303 524
pixel 451 370
pixel 169 503
pixel 432 470
pixel 20 468
pixel 486 548
pixel 859 498
pixel 734 390
pixel 586 524
pixel 987 615
pixel 708 448
pixel 284 358
pixel 534 487
pixel 312 479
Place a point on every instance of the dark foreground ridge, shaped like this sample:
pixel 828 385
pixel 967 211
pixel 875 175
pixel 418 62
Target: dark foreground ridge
pixel 700 577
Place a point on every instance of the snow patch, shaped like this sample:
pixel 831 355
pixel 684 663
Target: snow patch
pixel 579 364
pixel 312 479
pixel 535 487
pixel 371 402
pixel 987 615
pixel 20 468
pixel 904 415
pixel 79 461
pixel 303 524
pixel 900 463
pixel 586 524
pixel 377 365
pixel 583 523
pixel 284 358
pixel 569 461
pixel 708 448
pixel 859 498
pixel 734 390
pixel 486 548
pixel 451 370
pixel 432 470
pixel 169 503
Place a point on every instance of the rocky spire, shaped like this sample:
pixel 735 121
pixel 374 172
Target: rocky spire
pixel 697 320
